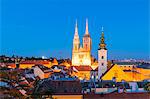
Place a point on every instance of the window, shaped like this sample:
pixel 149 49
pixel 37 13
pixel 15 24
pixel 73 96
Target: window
pixel 65 90
pixel 86 46
pixel 116 74
pixel 102 64
pixel 58 83
pixel 75 47
pixel 75 90
pixel 102 57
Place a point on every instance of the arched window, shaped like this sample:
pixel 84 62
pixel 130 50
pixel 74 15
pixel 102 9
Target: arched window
pixel 75 47
pixel 102 57
pixel 86 46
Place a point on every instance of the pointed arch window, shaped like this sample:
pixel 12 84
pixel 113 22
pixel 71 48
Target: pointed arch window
pixel 86 46
pixel 75 47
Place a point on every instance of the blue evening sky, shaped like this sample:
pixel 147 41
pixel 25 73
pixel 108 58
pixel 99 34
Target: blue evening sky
pixel 46 27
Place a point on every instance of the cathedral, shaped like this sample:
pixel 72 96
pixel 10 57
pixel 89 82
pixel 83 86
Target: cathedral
pixel 81 54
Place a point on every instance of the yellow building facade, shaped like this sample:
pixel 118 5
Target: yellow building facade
pixel 120 74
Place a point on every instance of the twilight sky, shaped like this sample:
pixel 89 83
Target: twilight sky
pixel 46 27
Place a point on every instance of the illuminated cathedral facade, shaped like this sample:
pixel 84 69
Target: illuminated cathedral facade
pixel 81 54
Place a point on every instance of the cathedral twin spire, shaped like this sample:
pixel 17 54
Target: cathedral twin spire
pixel 76 29
pixel 86 30
pixel 102 44
pixel 81 53
pixel 86 38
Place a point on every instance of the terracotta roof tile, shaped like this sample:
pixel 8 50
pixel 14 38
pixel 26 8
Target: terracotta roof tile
pixel 43 68
pixel 83 68
pixel 34 62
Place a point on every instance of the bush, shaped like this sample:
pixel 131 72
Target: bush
pixel 147 86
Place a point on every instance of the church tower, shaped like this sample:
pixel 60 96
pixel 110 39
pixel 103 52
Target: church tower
pixel 76 46
pixel 81 54
pixel 76 41
pixel 86 46
pixel 102 56
pixel 87 39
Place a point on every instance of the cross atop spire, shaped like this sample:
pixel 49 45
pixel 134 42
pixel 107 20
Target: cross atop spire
pixel 102 36
pixel 102 29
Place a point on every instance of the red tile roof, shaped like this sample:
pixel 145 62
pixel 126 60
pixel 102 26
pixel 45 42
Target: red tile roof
pixel 43 68
pixel 12 65
pixel 34 62
pixel 23 83
pixel 83 68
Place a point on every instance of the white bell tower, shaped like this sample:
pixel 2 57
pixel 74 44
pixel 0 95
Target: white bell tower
pixel 102 56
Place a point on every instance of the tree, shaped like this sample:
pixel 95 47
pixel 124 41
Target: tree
pixel 147 86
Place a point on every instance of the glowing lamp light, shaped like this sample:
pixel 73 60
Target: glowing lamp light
pixel 43 57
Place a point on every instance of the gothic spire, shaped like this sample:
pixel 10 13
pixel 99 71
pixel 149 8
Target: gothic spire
pixel 87 30
pixel 76 30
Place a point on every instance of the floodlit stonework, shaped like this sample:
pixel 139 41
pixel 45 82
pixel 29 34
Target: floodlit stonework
pixel 81 55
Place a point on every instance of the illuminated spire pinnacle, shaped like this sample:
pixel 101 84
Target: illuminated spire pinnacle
pixel 76 28
pixel 76 41
pixel 102 44
pixel 87 30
